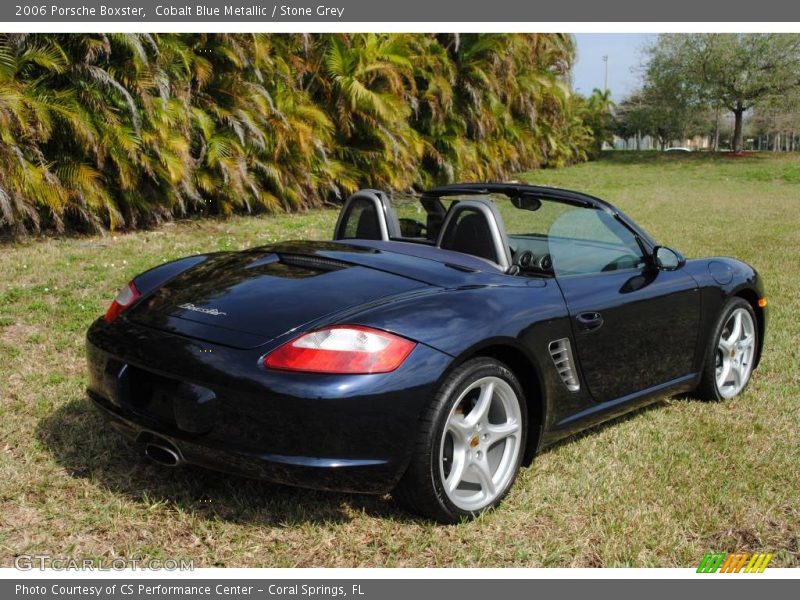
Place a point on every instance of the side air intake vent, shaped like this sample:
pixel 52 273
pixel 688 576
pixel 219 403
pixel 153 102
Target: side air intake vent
pixel 561 352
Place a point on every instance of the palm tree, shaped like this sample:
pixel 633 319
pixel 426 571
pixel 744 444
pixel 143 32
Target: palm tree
pixel 124 130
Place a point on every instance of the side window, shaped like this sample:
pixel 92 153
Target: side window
pixel 588 240
pixel 360 221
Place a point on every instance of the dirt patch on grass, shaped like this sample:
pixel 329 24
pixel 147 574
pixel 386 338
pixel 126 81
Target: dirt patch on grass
pixel 17 333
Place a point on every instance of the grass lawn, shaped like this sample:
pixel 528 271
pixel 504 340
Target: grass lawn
pixel 658 488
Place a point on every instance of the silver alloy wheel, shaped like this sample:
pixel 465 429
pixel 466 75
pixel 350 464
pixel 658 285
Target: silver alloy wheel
pixel 735 353
pixel 480 444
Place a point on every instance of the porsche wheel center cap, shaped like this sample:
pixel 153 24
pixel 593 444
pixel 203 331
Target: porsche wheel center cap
pixel 474 441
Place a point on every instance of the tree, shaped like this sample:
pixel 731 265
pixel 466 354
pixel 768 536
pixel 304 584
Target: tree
pixel 596 115
pixel 669 105
pixel 125 130
pixel 634 117
pixel 734 70
pixel 777 120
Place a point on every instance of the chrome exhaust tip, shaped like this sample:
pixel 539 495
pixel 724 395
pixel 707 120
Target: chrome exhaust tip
pixel 163 453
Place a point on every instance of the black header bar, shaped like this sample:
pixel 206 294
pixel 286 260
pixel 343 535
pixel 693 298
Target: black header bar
pixel 397 11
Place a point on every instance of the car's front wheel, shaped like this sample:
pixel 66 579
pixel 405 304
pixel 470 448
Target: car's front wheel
pixel 731 354
pixel 470 446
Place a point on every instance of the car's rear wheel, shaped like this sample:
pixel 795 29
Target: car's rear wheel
pixel 470 445
pixel 731 353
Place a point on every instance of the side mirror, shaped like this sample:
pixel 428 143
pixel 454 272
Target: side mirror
pixel 667 259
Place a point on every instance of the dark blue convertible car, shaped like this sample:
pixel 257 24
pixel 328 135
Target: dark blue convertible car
pixel 430 349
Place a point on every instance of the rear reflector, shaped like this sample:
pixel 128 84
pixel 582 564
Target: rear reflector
pixel 343 349
pixel 126 296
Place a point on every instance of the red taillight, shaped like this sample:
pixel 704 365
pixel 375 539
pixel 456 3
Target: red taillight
pixel 127 296
pixel 344 349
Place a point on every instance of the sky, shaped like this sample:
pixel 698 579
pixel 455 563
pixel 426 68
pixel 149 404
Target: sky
pixel 624 57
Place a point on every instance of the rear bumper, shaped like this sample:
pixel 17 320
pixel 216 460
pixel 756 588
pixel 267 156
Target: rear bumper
pixel 343 433
pixel 351 475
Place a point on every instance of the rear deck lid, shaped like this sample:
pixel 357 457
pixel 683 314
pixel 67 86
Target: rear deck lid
pixel 246 299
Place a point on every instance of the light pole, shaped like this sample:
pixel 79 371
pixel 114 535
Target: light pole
pixel 605 78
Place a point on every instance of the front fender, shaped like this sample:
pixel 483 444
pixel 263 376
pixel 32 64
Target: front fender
pixel 720 278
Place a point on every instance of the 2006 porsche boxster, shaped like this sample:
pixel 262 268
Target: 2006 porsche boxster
pixel 430 349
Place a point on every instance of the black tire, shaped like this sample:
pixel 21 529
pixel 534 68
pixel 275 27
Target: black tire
pixel 708 388
pixel 421 490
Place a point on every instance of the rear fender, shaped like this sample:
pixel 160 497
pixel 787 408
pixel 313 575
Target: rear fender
pixel 469 322
pixel 157 276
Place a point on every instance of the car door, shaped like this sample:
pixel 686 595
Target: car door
pixel 634 326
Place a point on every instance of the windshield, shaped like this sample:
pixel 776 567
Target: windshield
pixel 563 238
pixel 422 216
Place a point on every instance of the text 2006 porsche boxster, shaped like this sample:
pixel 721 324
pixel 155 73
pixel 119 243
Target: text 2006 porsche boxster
pixel 430 349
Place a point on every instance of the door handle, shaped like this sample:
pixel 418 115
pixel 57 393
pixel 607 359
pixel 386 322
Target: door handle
pixel 589 321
